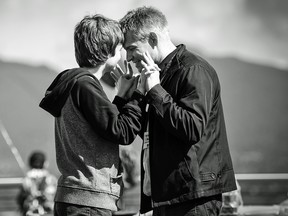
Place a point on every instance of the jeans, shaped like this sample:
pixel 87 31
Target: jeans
pixel 206 206
pixel 67 209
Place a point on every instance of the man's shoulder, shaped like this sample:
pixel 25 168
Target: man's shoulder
pixel 190 59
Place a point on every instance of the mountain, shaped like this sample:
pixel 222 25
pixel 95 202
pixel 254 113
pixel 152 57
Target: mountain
pixel 21 89
pixel 256 115
pixel 253 97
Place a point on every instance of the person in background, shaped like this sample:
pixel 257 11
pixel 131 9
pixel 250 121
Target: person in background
pixel 232 200
pixel 186 162
pixel 130 200
pixel 130 161
pixel 89 127
pixel 38 189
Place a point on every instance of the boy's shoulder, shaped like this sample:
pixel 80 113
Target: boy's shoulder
pixel 76 74
pixel 86 83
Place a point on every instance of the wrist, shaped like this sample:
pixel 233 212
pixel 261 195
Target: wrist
pixel 121 95
pixel 151 86
pixel 142 90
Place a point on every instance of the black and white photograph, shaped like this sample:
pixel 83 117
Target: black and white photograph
pixel 143 108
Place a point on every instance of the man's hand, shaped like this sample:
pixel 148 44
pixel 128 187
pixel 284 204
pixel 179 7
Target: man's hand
pixel 150 72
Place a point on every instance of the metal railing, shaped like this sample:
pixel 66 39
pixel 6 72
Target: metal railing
pixel 10 181
pixel 262 176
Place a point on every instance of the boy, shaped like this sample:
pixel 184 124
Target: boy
pixel 88 127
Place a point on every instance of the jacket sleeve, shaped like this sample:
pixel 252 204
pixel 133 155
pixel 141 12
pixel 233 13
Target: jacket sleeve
pixel 186 117
pixel 119 102
pixel 120 127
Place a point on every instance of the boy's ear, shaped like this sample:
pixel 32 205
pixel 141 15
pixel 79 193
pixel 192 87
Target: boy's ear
pixel 153 39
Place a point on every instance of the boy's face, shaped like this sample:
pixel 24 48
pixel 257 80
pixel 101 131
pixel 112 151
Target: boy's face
pixel 113 60
pixel 135 49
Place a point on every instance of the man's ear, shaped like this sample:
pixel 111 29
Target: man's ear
pixel 153 39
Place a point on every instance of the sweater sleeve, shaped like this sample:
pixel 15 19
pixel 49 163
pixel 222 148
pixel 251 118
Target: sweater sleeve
pixel 119 102
pixel 119 126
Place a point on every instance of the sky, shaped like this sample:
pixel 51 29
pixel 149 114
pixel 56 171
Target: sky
pixel 40 32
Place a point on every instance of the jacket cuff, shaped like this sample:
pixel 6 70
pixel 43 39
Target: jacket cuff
pixel 119 102
pixel 156 94
pixel 139 98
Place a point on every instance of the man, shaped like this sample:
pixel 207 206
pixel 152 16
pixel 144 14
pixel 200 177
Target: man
pixel 186 159
pixel 88 127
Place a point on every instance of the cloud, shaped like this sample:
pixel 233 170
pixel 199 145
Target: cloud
pixel 42 31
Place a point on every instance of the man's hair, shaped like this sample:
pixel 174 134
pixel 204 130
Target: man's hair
pixel 37 160
pixel 142 20
pixel 95 40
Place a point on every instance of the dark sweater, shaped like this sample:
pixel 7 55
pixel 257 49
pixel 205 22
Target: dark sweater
pixel 88 131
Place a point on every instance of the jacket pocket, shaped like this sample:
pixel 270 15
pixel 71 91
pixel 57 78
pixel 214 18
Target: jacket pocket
pixel 116 185
pixel 206 177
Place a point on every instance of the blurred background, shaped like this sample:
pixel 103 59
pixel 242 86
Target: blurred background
pixel 245 40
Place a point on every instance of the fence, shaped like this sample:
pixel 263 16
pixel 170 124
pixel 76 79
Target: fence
pixel 256 189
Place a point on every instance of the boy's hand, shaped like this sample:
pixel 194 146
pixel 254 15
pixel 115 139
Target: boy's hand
pixel 128 72
pixel 126 83
pixel 126 86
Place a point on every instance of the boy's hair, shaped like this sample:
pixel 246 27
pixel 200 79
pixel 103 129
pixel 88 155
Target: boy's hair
pixel 95 40
pixel 37 160
pixel 141 20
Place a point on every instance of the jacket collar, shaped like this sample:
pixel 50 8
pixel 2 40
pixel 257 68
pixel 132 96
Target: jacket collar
pixel 169 61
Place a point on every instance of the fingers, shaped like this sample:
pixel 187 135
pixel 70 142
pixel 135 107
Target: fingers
pixel 135 83
pixel 157 67
pixel 125 64
pixel 127 74
pixel 148 69
pixel 137 78
pixel 120 70
pixel 143 63
pixel 148 73
pixel 129 69
pixel 148 59
pixel 113 76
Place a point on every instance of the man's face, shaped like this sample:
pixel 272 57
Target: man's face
pixel 135 49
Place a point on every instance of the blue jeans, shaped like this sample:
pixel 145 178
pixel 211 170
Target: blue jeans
pixel 206 206
pixel 67 209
